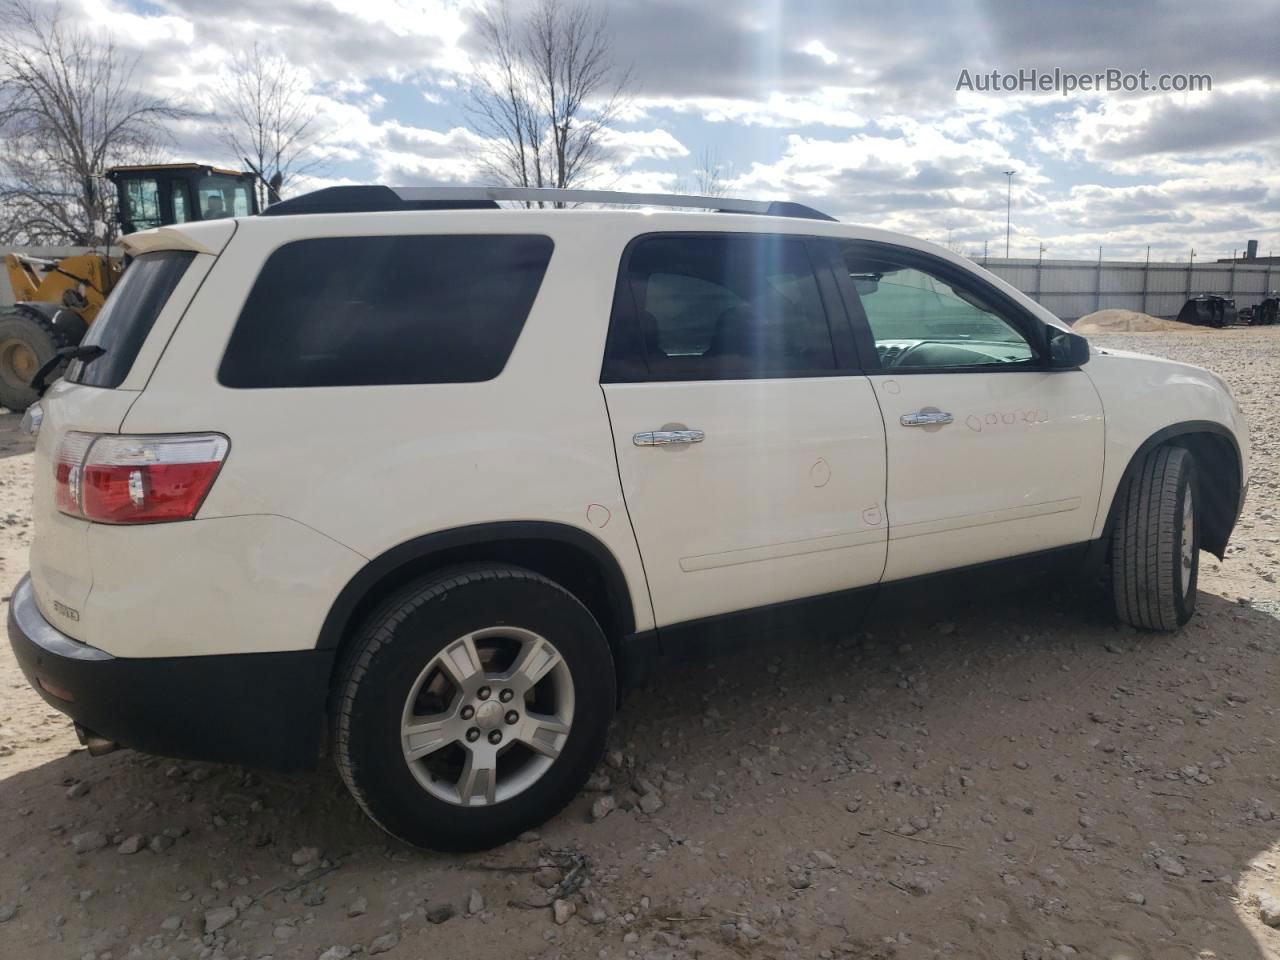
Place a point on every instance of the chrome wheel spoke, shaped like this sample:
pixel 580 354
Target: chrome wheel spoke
pixel 543 734
pixel 423 736
pixel 536 660
pixel 461 661
pixel 479 776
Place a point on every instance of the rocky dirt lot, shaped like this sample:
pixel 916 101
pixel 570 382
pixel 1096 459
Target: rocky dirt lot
pixel 1018 778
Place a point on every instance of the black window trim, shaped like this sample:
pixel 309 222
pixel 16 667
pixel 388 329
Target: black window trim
pixel 626 359
pixel 1019 317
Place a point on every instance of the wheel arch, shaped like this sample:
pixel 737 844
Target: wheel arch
pixel 1217 457
pixel 575 559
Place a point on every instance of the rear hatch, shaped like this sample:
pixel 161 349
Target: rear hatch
pixel 94 397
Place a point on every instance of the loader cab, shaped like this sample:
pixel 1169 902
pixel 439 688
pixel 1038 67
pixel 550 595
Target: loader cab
pixel 169 193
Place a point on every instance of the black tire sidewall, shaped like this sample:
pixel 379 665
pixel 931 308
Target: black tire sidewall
pixel 382 779
pixel 19 324
pixel 1185 601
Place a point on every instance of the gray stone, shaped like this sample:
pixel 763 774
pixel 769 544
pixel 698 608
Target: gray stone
pixel 1018 803
pixel 131 845
pixel 313 896
pixel 603 806
pixel 359 907
pixel 305 855
pixel 651 803
pixel 77 790
pixel 1172 866
pixel 388 941
pixel 562 910
pixel 171 923
pixel 337 952
pixel 219 917
pixel 1269 910
pixel 160 843
pixel 824 859
pixel 88 841
pixel 440 912
pixel 8 911
pixel 475 902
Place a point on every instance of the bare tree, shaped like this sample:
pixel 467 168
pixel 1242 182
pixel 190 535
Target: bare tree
pixel 545 92
pixel 710 179
pixel 269 118
pixel 68 110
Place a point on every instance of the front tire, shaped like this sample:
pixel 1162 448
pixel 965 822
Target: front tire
pixel 1155 545
pixel 472 706
pixel 27 342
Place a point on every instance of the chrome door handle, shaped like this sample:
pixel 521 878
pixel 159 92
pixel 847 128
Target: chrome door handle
pixel 925 418
pixel 660 438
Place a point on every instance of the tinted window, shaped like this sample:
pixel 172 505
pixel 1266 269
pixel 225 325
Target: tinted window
pixel 348 311
pixel 128 316
pixel 719 306
pixel 919 319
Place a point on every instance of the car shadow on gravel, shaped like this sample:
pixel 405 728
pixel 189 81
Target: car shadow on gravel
pixel 13 442
pixel 1145 764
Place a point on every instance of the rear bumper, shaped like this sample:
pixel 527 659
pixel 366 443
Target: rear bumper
pixel 258 709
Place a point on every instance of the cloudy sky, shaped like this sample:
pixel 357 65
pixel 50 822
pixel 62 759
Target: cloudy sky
pixel 850 106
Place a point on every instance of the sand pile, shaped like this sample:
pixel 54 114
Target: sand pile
pixel 1125 321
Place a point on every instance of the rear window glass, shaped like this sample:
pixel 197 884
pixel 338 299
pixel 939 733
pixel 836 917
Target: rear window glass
pixel 128 316
pixel 346 311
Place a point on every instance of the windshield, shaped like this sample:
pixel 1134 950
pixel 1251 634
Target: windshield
pixel 222 196
pixel 128 316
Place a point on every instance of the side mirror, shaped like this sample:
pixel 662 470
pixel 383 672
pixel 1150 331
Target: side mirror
pixel 1067 350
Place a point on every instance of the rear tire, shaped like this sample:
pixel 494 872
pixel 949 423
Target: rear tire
pixel 500 679
pixel 1155 545
pixel 27 342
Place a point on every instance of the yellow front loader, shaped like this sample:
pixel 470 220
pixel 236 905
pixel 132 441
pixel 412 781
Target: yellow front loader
pixel 57 300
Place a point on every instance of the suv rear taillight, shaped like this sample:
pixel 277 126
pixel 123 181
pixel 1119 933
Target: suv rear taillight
pixel 109 478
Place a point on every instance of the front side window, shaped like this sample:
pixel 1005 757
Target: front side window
pixel 721 306
pixel 920 319
pixel 359 311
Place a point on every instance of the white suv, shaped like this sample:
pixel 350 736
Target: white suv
pixel 416 482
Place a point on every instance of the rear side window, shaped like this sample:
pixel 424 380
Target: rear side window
pixel 349 311
pixel 718 307
pixel 128 316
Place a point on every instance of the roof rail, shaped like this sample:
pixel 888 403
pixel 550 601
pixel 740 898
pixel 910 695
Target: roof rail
pixel 370 199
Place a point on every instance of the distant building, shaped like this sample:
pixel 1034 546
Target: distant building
pixel 1251 256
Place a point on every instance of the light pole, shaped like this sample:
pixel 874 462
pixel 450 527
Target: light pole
pixel 1008 209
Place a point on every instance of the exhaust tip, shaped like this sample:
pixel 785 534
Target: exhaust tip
pixel 98 746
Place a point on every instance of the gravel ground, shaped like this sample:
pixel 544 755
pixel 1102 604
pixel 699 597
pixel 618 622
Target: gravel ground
pixel 1017 778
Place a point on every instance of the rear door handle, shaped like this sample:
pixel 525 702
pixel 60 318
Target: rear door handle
pixel 925 418
pixel 660 438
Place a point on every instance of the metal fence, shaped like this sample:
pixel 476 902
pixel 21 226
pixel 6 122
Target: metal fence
pixel 1073 288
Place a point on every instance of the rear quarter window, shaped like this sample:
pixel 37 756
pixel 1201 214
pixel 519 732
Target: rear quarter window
pixel 127 317
pixel 357 311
